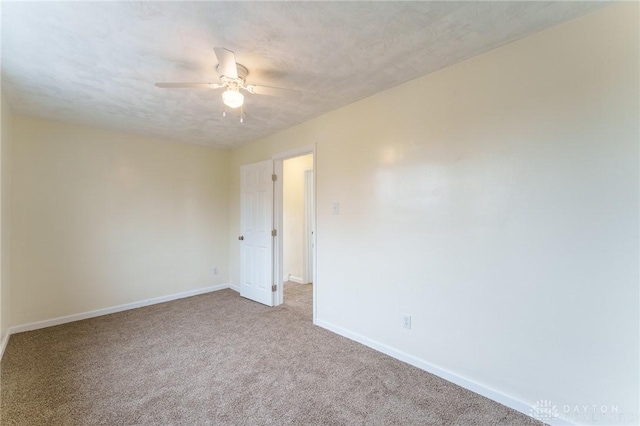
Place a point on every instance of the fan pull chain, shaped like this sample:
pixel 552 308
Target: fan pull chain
pixel 224 111
pixel 242 113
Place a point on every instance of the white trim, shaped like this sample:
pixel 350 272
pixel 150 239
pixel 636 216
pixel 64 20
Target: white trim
pixel 314 255
pixel 4 343
pixel 235 287
pixel 309 226
pixel 295 279
pixel 486 391
pixel 296 152
pixel 114 309
pixel 278 256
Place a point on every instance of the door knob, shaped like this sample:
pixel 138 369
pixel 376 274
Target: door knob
pixel 241 237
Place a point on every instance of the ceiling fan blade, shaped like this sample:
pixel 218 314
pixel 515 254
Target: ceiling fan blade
pixel 227 61
pixel 274 91
pixel 189 85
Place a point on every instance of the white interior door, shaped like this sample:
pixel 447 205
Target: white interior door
pixel 256 244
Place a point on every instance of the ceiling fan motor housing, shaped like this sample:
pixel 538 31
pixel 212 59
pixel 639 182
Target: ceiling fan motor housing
pixel 242 75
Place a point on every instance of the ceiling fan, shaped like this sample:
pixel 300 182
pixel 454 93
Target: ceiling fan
pixel 233 79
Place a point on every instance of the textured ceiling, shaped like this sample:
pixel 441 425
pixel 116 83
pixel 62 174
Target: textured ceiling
pixel 95 63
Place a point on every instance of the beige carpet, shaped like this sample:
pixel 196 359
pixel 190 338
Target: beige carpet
pixel 222 359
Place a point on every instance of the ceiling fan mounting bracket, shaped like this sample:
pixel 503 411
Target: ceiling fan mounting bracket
pixel 243 72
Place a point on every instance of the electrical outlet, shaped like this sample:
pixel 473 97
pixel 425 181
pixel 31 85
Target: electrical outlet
pixel 406 321
pixel 215 270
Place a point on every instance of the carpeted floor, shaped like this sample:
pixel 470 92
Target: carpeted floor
pixel 222 359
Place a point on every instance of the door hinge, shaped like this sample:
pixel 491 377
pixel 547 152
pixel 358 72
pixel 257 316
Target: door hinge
pixel 274 287
pixel 274 177
pixel 274 232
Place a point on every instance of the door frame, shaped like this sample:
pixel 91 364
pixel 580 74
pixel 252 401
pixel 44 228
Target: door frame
pixel 278 160
pixel 309 227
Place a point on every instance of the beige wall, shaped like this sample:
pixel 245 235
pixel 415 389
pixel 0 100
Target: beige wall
pixel 495 201
pixel 101 219
pixel 5 210
pixel 293 187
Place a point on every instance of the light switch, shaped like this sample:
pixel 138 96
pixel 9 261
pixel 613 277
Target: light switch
pixel 336 208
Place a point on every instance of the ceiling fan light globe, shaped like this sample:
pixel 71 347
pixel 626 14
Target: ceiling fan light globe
pixel 232 98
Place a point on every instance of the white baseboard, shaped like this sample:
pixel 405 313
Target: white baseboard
pixel 3 343
pixel 112 310
pixel 450 376
pixel 295 279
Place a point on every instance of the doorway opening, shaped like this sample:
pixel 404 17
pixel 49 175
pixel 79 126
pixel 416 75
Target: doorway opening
pixel 294 218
